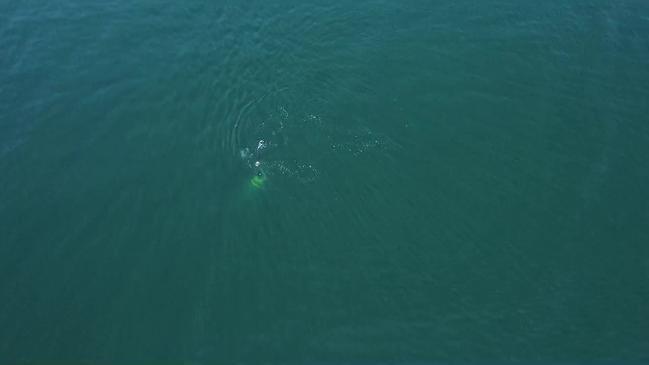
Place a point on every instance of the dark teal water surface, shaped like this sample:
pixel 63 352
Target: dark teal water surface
pixel 438 182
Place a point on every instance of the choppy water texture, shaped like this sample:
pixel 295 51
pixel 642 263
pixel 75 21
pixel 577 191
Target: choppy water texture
pixel 437 181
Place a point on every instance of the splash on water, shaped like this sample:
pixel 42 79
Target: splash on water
pixel 261 145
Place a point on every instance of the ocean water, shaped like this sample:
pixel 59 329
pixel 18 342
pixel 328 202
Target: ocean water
pixel 324 182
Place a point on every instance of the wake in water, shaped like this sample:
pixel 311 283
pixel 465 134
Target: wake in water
pixel 295 147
